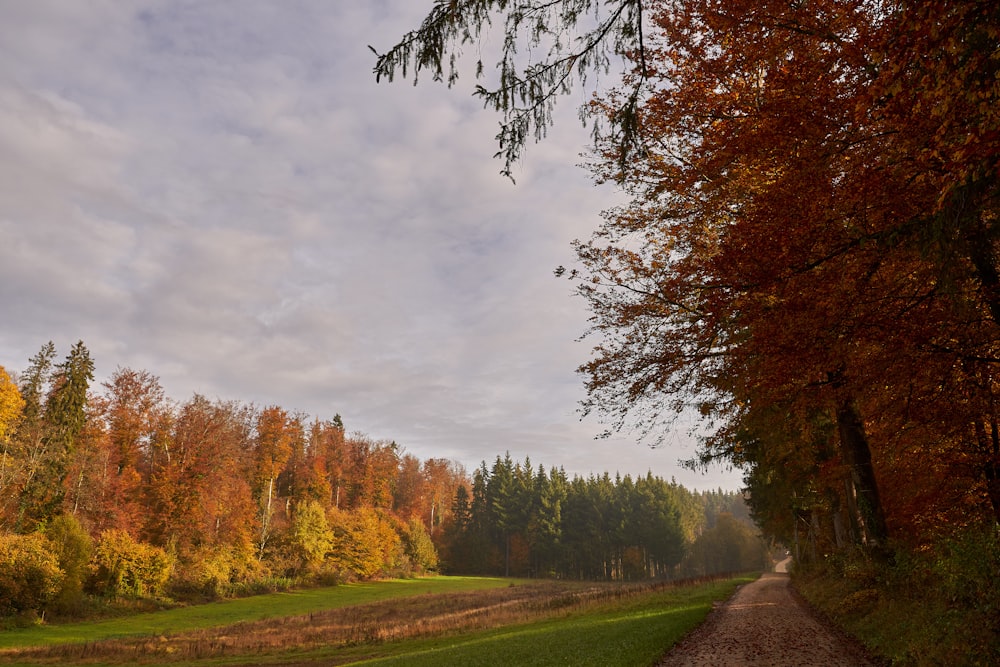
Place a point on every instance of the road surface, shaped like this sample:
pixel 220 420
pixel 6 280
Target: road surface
pixel 765 624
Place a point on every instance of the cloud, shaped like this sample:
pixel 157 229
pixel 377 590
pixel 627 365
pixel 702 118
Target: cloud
pixel 220 193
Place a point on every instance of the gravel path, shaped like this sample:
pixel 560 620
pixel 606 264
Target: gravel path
pixel 764 623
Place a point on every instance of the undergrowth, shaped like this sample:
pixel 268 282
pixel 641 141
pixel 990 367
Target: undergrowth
pixel 935 605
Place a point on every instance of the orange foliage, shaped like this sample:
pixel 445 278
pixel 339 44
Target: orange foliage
pixel 813 229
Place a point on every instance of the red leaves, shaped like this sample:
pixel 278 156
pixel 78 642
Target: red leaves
pixel 818 198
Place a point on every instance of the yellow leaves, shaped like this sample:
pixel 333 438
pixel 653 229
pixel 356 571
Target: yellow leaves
pixel 11 404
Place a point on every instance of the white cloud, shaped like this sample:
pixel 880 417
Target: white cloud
pixel 220 193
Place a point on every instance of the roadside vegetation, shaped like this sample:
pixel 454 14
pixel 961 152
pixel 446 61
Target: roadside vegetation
pixel 939 605
pixel 537 623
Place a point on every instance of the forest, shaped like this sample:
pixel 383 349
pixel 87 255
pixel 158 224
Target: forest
pixel 117 492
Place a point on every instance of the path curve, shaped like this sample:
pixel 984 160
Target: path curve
pixel 765 624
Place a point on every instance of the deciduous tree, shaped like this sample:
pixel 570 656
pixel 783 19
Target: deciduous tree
pixel 11 405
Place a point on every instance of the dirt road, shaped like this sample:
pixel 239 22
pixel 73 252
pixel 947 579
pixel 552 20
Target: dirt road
pixel 765 624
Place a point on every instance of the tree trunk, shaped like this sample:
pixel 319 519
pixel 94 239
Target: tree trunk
pixel 979 240
pixel 867 506
pixel 990 448
pixel 265 523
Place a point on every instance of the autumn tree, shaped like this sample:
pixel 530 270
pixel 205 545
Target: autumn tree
pixel 137 414
pixel 310 537
pixel 199 489
pixel 278 433
pixel 410 492
pixel 327 463
pixel 373 467
pixel 812 228
pixel 418 547
pixel 11 405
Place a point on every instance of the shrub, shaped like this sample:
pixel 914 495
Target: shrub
pixel 933 605
pixel 215 572
pixel 123 567
pixel 30 577
pixel 418 546
pixel 966 567
pixel 73 549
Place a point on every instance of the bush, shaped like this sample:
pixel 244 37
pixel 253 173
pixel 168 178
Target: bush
pixel 967 566
pixel 73 548
pixel 933 605
pixel 215 572
pixel 30 577
pixel 123 567
pixel 418 547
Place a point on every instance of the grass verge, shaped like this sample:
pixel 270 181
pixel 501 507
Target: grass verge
pixel 939 605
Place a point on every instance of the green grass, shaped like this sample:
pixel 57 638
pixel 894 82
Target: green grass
pixel 216 614
pixel 635 629
pixel 633 632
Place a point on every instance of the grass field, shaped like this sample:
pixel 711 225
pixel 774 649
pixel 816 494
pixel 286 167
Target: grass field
pixel 218 614
pixel 440 621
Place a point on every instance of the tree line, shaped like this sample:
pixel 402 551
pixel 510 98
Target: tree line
pixel 522 521
pixel 118 490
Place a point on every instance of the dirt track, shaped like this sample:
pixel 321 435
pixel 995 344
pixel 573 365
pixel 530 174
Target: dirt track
pixel 764 623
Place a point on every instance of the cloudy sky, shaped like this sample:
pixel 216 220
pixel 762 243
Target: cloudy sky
pixel 218 192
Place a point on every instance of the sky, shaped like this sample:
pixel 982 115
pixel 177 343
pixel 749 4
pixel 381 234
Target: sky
pixel 219 193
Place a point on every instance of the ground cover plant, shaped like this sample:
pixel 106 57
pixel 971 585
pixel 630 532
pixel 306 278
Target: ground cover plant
pixel 936 606
pixel 525 623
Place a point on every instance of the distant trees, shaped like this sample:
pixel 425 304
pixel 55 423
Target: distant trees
pixel 121 492
pixel 525 522
pixel 727 546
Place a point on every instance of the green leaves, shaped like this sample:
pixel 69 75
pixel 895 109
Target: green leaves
pixel 572 39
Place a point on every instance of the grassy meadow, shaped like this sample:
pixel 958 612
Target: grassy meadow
pixel 433 621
